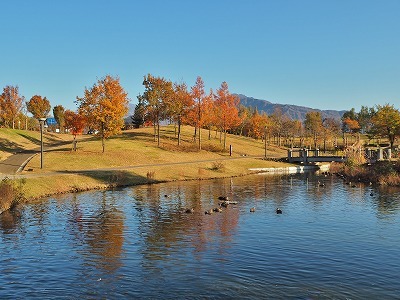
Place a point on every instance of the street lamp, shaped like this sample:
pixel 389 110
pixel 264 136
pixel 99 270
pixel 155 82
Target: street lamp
pixel 265 142
pixel 41 122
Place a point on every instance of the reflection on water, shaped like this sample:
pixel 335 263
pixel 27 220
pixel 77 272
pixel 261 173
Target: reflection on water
pixel 332 241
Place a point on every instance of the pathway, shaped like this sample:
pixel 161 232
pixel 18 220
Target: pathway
pixel 16 162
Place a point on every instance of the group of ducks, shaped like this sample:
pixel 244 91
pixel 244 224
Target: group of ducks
pixel 224 203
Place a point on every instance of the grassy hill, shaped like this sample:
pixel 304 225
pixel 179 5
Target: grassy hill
pixel 131 158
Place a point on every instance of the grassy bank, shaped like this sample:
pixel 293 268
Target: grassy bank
pixel 134 158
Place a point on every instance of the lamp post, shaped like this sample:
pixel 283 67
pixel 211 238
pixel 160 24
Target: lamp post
pixel 265 142
pixel 41 122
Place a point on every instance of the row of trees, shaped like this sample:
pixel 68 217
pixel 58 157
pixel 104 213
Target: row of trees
pixel 164 100
pixel 222 112
pixel 104 105
pixel 381 121
pixel 102 108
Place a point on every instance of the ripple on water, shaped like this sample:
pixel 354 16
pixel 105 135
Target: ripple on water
pixel 330 242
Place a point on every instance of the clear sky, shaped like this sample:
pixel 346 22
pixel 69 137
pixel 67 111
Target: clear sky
pixel 323 54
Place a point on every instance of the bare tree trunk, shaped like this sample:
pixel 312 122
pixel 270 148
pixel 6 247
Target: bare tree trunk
pixel 158 133
pixel 179 130
pixel 199 138
pixel 225 139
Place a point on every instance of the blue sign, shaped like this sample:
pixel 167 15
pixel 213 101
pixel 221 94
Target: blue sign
pixel 51 121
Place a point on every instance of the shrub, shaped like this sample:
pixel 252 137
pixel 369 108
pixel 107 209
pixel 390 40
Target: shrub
pixel 11 193
pixel 150 175
pixel 218 166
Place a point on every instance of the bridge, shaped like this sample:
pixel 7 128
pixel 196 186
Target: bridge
pixel 307 156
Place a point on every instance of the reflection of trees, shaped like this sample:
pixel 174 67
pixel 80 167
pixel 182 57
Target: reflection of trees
pixel 75 223
pixel 387 201
pixel 104 234
pixel 165 226
pixel 10 221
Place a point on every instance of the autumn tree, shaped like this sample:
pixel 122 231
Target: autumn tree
pixel 386 122
pixel 11 103
pixel 351 125
pixel 210 114
pixel 59 115
pixel 74 123
pixel 157 92
pixel 277 119
pixel 227 105
pixel 198 95
pixel 330 130
pixel 179 104
pixel 38 106
pixel 258 124
pixel 104 106
pixel 245 119
pixel 313 125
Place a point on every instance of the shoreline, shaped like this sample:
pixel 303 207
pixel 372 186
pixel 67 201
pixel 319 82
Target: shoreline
pixel 121 178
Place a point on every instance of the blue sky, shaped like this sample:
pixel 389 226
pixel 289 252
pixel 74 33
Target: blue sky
pixel 322 54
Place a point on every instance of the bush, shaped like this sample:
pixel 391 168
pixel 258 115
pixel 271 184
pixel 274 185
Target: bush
pixel 11 193
pixel 218 166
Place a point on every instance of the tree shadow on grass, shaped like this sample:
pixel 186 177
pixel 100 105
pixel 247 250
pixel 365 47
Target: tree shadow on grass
pixel 8 146
pixel 114 178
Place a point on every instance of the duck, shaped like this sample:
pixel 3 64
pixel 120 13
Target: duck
pixel 224 204
pixel 278 211
pixel 253 209
pixel 208 212
pixel 189 210
pixel 217 209
pixel 223 198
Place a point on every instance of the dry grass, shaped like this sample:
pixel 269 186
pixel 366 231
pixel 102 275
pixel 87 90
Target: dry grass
pixel 134 158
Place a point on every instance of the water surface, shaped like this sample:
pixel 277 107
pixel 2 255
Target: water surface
pixel 331 242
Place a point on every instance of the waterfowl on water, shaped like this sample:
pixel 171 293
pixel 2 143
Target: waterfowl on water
pixel 253 209
pixel 208 212
pixel 321 184
pixel 217 209
pixel 224 204
pixel 189 210
pixel 278 211
pixel 223 198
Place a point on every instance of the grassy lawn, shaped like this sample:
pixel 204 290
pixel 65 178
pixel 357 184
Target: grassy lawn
pixel 134 158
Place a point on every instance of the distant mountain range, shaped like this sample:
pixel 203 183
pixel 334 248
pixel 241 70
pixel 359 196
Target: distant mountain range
pixel 294 112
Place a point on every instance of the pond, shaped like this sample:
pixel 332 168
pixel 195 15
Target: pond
pixel 332 240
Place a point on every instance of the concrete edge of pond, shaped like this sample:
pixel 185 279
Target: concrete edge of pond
pixel 292 169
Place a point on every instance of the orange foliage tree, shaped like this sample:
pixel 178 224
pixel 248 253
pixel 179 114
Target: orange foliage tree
pixel 258 125
pixel 74 123
pixel 352 125
pixel 209 112
pixel 38 106
pixel 104 106
pixel 11 103
pixel 227 106
pixel 196 114
pixel 157 92
pixel 179 105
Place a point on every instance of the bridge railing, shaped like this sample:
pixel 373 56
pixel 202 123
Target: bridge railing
pixel 315 155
